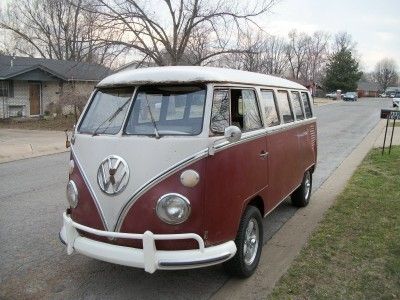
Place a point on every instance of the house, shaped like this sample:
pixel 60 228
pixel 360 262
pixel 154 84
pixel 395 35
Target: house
pixel 33 86
pixel 367 89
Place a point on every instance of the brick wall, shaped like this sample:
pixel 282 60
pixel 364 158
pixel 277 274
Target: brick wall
pixel 21 96
pixel 50 96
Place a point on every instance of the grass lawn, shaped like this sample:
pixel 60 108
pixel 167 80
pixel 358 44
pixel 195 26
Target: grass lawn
pixel 57 123
pixel 355 252
pixel 397 124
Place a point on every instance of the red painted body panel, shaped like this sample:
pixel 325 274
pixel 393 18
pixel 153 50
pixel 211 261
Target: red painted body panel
pixel 233 176
pixel 86 213
pixel 142 215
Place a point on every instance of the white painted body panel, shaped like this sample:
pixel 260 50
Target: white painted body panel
pixel 187 74
pixel 147 158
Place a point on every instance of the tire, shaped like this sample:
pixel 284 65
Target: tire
pixel 248 243
pixel 301 196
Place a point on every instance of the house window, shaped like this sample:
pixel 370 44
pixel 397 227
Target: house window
pixel 6 88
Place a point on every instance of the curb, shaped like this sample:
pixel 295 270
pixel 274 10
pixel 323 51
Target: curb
pixel 280 251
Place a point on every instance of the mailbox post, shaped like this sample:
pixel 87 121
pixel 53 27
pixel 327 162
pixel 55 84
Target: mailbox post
pixel 389 114
pixel 339 95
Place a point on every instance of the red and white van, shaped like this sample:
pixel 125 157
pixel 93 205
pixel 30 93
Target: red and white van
pixel 174 167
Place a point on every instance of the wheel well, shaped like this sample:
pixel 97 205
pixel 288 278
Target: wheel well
pixel 258 203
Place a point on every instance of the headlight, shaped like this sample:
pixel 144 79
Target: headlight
pixel 173 208
pixel 72 194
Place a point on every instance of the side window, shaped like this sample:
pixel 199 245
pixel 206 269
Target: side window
pixel 297 106
pixel 284 105
pixel 306 104
pixel 244 109
pixel 220 114
pixel 271 110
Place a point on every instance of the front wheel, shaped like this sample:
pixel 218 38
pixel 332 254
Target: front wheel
pixel 301 196
pixel 248 242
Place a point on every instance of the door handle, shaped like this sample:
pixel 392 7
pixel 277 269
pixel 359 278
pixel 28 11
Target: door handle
pixel 263 154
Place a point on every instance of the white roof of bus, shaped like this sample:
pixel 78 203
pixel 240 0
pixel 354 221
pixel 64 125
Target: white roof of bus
pixel 187 74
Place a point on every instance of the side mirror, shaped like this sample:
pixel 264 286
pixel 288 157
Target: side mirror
pixel 232 134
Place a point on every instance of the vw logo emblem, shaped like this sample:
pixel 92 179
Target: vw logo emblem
pixel 113 175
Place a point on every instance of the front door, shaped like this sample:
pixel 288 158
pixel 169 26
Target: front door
pixel 34 98
pixel 238 172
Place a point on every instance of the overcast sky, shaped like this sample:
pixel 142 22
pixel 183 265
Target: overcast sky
pixel 373 24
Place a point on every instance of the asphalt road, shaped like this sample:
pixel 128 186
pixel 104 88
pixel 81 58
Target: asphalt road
pixel 34 264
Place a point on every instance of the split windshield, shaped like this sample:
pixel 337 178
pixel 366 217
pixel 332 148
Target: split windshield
pixel 106 112
pixel 156 110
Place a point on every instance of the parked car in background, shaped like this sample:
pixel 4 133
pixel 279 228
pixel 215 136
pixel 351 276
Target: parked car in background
pixel 396 100
pixel 392 94
pixel 383 95
pixel 350 96
pixel 331 95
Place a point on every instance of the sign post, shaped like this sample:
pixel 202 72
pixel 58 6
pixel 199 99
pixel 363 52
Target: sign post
pixel 389 114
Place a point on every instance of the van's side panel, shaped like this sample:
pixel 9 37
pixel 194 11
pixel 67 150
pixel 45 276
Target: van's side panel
pixel 233 176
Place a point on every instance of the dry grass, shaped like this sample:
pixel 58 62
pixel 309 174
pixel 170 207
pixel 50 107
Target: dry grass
pixel 355 252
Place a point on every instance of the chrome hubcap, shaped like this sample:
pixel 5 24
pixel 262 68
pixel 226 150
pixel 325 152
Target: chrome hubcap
pixel 251 241
pixel 307 185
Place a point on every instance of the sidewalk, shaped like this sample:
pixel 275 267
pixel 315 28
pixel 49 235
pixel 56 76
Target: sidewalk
pixel 18 143
pixel 279 252
pixel 323 101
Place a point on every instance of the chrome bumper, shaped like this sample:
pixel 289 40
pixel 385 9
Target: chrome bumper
pixel 149 258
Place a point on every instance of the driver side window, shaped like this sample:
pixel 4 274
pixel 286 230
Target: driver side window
pixel 236 107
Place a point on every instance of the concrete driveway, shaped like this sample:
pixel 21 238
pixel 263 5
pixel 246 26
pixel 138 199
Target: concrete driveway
pixel 18 143
pixel 33 263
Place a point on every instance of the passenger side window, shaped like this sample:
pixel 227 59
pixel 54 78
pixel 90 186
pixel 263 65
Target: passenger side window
pixel 248 116
pixel 298 110
pixel 306 104
pixel 220 114
pixel 284 105
pixel 271 111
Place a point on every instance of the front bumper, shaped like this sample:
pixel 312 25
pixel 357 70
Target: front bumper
pixel 149 258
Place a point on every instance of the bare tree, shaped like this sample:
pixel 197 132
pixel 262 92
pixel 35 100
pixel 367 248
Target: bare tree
pixel 343 41
pixel 169 33
pixel 258 52
pixel 296 52
pixel 275 56
pixel 385 73
pixel 58 29
pixel 316 56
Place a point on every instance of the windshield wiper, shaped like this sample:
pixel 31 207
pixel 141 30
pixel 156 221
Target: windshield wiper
pixel 152 118
pixel 110 119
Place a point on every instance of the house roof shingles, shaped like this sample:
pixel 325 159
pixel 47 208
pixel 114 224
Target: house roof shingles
pixel 367 86
pixel 63 69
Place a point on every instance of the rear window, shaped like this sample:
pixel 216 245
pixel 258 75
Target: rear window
pixel 306 104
